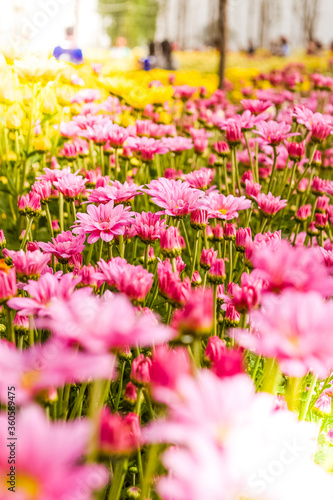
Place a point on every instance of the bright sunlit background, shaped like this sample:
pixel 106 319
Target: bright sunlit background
pixel 39 25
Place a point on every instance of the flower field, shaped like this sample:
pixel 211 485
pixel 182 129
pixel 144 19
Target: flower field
pixel 166 283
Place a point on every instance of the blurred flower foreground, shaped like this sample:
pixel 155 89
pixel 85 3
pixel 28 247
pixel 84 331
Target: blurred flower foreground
pixel 166 283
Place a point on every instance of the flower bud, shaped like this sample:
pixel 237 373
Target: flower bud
pixel 216 273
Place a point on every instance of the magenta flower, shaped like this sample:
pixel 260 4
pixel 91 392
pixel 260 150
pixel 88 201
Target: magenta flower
pixel 320 130
pixel 70 185
pixel 101 325
pixel 118 192
pixel 64 246
pixel 177 144
pixel 49 464
pixel 53 174
pixel 200 179
pixel 119 435
pixel 294 327
pixel 146 147
pixel 269 204
pixel 256 106
pixel 284 266
pixel 2 239
pixel 225 207
pixel 140 372
pixel 133 281
pixel 295 150
pixel 148 226
pixel 41 293
pixel 116 135
pixel 68 151
pixel 176 197
pixel 29 204
pixel 273 133
pixel 196 317
pixel 35 370
pixel 8 286
pixel 105 222
pixel 43 189
pixel 28 264
pixel 171 286
pixel 171 242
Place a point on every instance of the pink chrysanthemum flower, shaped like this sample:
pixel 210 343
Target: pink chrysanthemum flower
pixel 225 207
pixel 70 185
pixel 105 222
pixel 53 174
pixel 146 147
pixel 256 106
pixel 200 179
pixel 100 325
pixel 171 286
pixel 283 266
pixel 8 287
pixel 43 189
pixel 29 204
pixel 27 264
pixel 148 226
pixel 64 246
pixel 49 464
pixel 118 192
pixel 41 292
pixel 116 135
pixel 294 327
pixel 273 133
pixel 176 197
pixel 50 365
pixel 269 204
pixel 133 281
pixel 177 144
pixel 119 435
pixel 320 130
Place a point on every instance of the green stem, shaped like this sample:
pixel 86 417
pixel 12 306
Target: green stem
pixel 49 220
pixel 118 479
pixel 120 388
pixel 270 376
pixel 230 260
pixel 78 401
pixel 225 175
pixel 273 170
pixel 187 241
pixel 11 333
pixel 306 405
pixel 26 234
pixel 100 251
pixel 146 255
pixel 291 182
pixel 101 151
pixel 121 246
pixel 61 212
pixel 215 309
pixel 194 256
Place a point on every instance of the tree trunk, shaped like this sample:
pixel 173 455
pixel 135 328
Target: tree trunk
pixel 222 27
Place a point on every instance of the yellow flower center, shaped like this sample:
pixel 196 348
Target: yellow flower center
pixel 29 485
pixel 3 266
pixel 223 211
pixel 29 379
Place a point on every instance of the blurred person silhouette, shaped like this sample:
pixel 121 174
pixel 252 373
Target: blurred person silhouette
pixel 120 50
pixel 284 47
pixel 167 59
pixel 150 62
pixel 69 51
pixel 250 49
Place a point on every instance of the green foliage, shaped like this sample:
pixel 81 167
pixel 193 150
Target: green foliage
pixel 133 19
